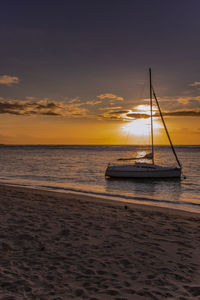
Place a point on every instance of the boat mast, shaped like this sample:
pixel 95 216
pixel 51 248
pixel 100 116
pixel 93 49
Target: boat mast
pixel 152 146
pixel 166 129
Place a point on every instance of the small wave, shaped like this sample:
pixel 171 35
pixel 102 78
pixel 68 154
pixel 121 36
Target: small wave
pixel 126 198
pixel 181 205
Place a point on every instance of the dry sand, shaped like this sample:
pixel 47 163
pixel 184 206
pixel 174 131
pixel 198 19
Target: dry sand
pixel 66 246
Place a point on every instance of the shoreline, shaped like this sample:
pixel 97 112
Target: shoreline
pixel 70 246
pixel 139 202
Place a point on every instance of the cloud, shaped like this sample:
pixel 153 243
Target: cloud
pixel 46 107
pixel 42 107
pixel 109 107
pixel 8 80
pixel 178 113
pixel 196 83
pixel 120 112
pixel 183 113
pixel 115 115
pixel 75 100
pixel 124 115
pixel 29 98
pixel 128 115
pixel 92 102
pixel 186 100
pixel 138 116
pixel 110 96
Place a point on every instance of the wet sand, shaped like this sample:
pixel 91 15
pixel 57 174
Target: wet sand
pixel 69 246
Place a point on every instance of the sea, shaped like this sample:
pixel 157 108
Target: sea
pixel 81 169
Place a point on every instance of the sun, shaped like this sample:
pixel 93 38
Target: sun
pixel 142 126
pixel 137 127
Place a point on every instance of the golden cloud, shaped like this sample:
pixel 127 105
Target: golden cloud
pixel 110 96
pixel 110 107
pixel 186 100
pixel 196 83
pixel 92 102
pixel 8 80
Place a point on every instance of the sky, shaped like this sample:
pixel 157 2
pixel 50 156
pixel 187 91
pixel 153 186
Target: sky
pixel 76 72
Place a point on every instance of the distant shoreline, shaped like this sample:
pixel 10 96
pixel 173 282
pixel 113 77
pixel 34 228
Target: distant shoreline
pixel 128 145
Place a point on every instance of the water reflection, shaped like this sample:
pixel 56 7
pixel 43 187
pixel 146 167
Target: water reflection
pixel 168 189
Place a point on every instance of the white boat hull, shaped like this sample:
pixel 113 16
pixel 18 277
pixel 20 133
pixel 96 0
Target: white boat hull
pixel 135 171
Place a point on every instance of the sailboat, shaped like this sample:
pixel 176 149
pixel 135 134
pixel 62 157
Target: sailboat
pixel 146 169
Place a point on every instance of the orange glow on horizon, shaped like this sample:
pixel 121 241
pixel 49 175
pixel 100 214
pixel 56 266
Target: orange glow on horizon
pixel 51 130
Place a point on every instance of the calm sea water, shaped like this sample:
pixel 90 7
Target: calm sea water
pixel 82 168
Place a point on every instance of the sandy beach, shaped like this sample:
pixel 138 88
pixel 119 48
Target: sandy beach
pixel 68 246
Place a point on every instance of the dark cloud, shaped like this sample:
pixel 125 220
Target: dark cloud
pixel 119 112
pixel 49 113
pixel 11 108
pixel 48 105
pixel 183 113
pixel 138 116
pixel 43 107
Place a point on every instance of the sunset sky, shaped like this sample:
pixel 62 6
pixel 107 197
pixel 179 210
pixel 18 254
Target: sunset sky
pixel 76 72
